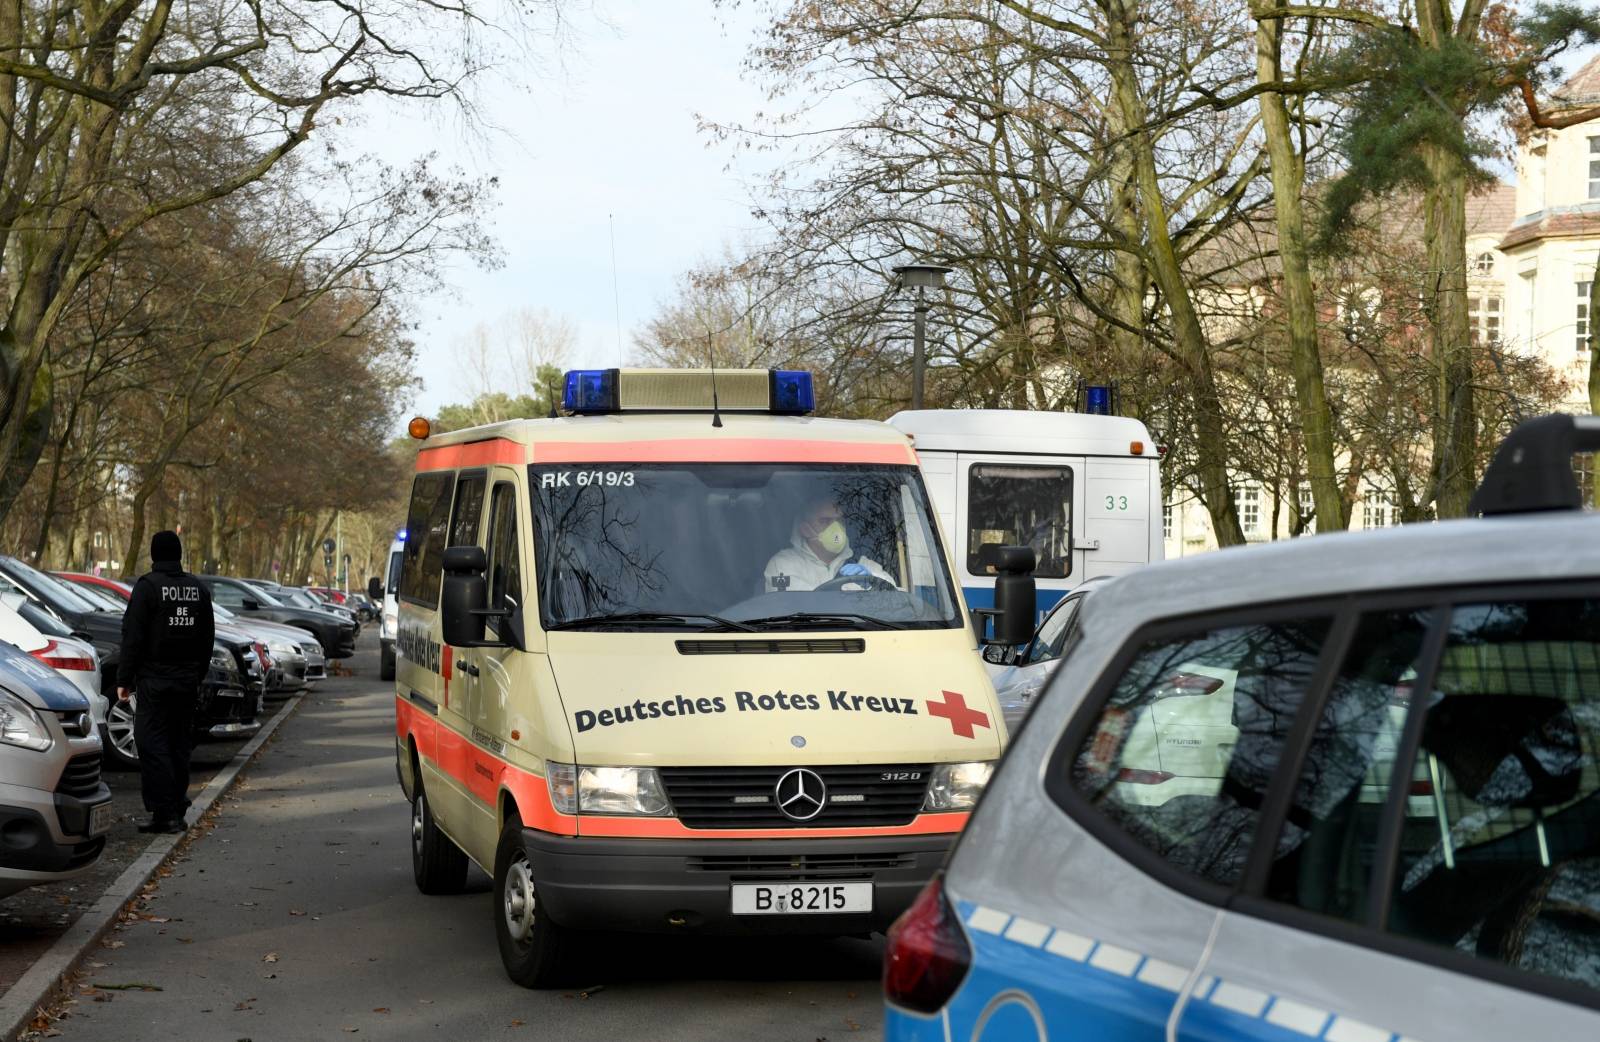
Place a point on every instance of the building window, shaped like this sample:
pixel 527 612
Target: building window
pixel 1581 326
pixel 1378 509
pixel 1308 510
pixel 1484 265
pixel 1528 313
pixel 1247 501
pixel 1594 168
pixel 1166 520
pixel 1483 315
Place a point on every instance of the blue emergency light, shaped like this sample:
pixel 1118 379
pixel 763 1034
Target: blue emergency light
pixel 402 535
pixel 590 391
pixel 792 393
pixel 1097 400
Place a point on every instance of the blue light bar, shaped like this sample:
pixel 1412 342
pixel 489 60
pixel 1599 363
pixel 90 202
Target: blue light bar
pixel 1097 400
pixel 590 391
pixel 792 393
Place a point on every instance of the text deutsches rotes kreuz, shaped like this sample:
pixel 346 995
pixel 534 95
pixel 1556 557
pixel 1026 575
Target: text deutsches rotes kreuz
pixel 680 707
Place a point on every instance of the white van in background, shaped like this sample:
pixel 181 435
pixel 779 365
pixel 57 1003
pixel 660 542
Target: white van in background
pixel 385 592
pixel 1084 491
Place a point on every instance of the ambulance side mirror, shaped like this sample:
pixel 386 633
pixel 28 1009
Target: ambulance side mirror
pixel 1011 620
pixel 375 589
pixel 464 590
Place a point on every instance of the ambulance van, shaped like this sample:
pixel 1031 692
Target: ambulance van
pixel 688 659
pixel 1083 491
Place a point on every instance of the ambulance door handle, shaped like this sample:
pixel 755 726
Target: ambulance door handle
pixel 468 668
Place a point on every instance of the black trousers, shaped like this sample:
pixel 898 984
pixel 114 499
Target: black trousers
pixel 163 732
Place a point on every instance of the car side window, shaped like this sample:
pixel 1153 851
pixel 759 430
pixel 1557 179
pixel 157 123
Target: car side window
pixel 505 561
pixel 468 509
pixel 228 595
pixel 427 520
pixel 1181 754
pixel 1047 643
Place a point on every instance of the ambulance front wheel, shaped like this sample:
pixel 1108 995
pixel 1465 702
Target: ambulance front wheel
pixel 439 866
pixel 531 946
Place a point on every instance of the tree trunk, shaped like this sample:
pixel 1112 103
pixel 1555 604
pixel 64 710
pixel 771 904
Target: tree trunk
pixel 1300 304
pixel 1189 340
pixel 1455 425
pixel 135 554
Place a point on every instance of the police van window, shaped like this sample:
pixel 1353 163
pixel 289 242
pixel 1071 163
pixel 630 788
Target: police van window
pixel 1021 506
pixel 468 510
pixel 1182 754
pixel 422 568
pixel 505 567
pixel 1324 855
pixel 1504 861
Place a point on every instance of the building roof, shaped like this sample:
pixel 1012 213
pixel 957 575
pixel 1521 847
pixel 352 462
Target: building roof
pixel 1581 88
pixel 1491 212
pixel 1553 224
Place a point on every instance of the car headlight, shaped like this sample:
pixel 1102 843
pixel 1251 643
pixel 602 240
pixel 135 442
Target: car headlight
pixel 283 649
pixel 20 725
pixel 957 786
pixel 607 790
pixel 222 658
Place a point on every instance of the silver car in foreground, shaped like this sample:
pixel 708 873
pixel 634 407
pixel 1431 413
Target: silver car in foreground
pixel 54 809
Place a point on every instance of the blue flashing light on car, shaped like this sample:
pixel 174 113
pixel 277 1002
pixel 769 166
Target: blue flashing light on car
pixel 792 392
pixel 590 391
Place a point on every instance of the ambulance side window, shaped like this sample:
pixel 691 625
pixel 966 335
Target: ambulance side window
pixel 427 521
pixel 1021 506
pixel 1183 751
pixel 468 509
pixel 505 563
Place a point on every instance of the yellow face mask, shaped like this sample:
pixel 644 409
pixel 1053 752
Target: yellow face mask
pixel 833 538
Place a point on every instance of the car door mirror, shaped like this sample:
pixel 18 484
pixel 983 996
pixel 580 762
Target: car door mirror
pixel 250 604
pixel 1015 596
pixel 461 605
pixel 997 655
pixel 374 589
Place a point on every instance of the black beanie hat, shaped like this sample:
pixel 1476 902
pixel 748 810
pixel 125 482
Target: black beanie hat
pixel 165 546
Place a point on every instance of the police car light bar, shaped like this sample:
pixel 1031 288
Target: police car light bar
pixel 780 392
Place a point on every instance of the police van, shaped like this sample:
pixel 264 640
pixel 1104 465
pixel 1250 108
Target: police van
pixel 1342 788
pixel 1083 491
pixel 686 658
pixel 384 591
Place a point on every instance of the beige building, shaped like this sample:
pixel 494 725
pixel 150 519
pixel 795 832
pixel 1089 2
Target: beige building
pixel 1532 249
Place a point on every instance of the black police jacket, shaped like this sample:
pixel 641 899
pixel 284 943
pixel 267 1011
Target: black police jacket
pixel 168 630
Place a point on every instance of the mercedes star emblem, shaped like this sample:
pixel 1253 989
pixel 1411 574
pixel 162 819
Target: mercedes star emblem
pixel 801 794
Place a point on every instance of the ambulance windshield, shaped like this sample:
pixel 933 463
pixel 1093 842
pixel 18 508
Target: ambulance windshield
pixel 737 546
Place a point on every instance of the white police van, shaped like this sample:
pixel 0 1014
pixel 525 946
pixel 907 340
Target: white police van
pixel 1281 901
pixel 1084 491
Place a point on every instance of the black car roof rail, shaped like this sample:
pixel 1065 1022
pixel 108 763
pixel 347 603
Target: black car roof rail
pixel 1532 469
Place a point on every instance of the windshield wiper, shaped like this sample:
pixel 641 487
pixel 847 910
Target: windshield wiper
pixel 801 619
pixel 681 618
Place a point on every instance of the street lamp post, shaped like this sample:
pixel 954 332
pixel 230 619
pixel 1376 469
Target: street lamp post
pixel 923 277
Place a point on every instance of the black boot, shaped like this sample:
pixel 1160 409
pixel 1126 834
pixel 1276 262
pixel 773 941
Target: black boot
pixel 164 825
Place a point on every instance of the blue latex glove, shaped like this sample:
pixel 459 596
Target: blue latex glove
pixel 854 568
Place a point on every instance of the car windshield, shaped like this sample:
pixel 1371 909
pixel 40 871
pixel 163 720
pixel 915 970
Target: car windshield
pixel 261 596
pixel 101 599
pixel 702 545
pixel 59 594
pixel 300 598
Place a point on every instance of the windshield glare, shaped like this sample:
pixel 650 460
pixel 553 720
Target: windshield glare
pixel 58 593
pixel 743 542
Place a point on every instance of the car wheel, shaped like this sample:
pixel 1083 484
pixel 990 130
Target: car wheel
pixel 532 947
pixel 440 867
pixel 116 737
pixel 386 662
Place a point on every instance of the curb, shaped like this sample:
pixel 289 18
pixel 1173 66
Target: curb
pixel 35 988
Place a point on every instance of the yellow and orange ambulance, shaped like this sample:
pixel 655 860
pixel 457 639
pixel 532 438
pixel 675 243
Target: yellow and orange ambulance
pixel 686 658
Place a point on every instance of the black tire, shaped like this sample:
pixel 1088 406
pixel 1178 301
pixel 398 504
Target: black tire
pixel 117 746
pixel 535 954
pixel 386 662
pixel 439 866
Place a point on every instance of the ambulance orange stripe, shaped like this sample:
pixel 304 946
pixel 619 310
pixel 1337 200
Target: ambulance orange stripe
pixel 722 450
pixel 482 773
pixel 473 454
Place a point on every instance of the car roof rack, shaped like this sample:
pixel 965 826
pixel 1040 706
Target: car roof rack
pixel 1532 469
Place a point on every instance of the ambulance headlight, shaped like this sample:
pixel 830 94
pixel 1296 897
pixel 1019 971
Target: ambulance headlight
pixel 957 786
pixel 622 790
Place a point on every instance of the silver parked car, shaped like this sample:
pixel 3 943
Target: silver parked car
pixel 54 809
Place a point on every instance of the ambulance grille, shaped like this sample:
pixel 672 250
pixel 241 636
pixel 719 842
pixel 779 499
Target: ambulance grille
pixel 742 797
pixel 843 646
pixel 801 866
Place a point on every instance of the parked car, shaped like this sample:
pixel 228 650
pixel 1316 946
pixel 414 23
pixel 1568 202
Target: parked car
pixel 293 657
pixel 1183 841
pixel 86 618
pixel 1029 667
pixel 54 809
pixel 336 635
pixel 48 640
pixel 300 597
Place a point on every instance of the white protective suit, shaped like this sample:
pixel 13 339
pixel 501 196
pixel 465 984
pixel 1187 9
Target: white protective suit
pixel 805 570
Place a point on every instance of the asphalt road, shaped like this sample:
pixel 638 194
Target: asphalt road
pixel 296 918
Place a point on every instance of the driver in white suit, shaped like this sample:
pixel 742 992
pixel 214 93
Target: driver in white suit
pixel 819 552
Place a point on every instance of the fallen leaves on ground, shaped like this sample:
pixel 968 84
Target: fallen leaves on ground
pixel 270 957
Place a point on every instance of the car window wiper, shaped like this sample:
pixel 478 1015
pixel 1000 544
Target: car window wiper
pixel 681 618
pixel 801 619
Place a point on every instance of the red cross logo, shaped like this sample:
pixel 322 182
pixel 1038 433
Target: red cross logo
pixel 954 709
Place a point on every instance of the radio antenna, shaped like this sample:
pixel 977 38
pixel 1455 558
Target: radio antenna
pixel 716 409
pixel 616 295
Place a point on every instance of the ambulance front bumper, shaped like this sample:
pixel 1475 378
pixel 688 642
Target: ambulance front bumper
pixel 667 886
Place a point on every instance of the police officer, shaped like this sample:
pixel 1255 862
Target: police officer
pixel 167 634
